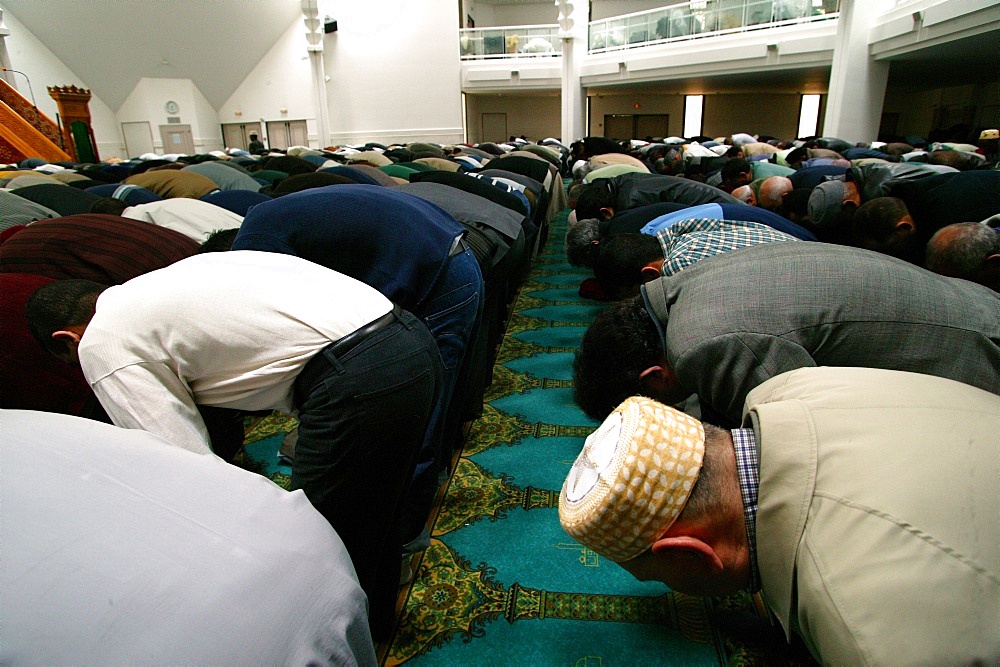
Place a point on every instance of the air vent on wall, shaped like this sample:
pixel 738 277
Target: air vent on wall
pixel 173 119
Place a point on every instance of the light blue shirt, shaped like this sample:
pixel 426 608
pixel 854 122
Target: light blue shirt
pixel 656 225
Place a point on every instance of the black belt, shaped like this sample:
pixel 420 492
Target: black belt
pixel 353 339
pixel 319 364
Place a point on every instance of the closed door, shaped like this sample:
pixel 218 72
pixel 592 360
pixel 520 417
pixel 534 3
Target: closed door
pixel 651 125
pixel 138 138
pixel 282 134
pixel 237 135
pixel 298 134
pixel 636 126
pixel 177 139
pixel 618 126
pixel 494 127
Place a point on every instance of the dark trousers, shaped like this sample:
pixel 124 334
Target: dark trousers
pixel 452 312
pixel 361 422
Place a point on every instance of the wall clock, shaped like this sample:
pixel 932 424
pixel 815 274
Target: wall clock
pixel 172 107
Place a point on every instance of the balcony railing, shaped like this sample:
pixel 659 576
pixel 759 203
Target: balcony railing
pixel 511 42
pixel 705 18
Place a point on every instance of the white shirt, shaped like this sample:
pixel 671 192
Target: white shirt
pixel 192 217
pixel 119 549
pixel 230 329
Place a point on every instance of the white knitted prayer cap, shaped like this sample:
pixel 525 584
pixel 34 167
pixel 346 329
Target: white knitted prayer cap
pixel 632 479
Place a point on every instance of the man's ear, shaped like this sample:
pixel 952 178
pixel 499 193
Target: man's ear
pixel 652 271
pixel 70 336
pixel 655 374
pixel 659 382
pixel 905 226
pixel 691 547
pixel 606 213
pixel 67 336
pixel 991 270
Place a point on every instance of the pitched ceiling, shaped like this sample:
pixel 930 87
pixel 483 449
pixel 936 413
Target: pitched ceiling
pixel 111 44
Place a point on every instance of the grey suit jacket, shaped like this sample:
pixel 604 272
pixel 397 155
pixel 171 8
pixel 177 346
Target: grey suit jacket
pixel 877 526
pixel 732 321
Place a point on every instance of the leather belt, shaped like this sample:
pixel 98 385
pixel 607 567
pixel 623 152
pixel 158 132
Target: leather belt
pixel 350 341
pixel 319 364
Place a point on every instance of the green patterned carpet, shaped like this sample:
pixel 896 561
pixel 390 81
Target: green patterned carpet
pixel 501 583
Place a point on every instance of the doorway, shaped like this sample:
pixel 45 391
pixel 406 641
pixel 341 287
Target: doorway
pixel 177 139
pixel 651 126
pixel 494 127
pixel 138 138
pixel 237 135
pixel 283 134
pixel 618 126
pixel 622 127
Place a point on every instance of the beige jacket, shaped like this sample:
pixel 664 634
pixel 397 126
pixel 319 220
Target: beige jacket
pixel 878 531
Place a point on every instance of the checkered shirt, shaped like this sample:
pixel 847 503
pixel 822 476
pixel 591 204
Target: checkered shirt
pixel 688 241
pixel 749 471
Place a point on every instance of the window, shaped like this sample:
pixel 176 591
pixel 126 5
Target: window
pixel 809 115
pixel 692 114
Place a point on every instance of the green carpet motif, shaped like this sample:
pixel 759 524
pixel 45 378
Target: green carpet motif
pixel 501 583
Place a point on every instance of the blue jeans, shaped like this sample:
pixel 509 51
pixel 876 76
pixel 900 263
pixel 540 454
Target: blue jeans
pixel 452 312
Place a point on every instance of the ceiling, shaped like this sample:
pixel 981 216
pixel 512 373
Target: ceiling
pixel 970 60
pixel 111 44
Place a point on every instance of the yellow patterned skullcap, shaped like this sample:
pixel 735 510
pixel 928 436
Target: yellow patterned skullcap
pixel 632 479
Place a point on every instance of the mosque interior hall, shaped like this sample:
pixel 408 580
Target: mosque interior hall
pixel 327 73
pixel 499 332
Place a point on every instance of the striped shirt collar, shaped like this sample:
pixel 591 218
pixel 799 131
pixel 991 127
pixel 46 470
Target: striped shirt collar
pixel 748 469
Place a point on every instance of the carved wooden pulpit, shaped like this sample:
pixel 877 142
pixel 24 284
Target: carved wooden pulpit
pixel 74 119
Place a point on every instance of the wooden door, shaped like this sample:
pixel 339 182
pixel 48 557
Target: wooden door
pixel 651 125
pixel 277 135
pixel 237 135
pixel 177 139
pixel 298 133
pixel 618 126
pixel 283 134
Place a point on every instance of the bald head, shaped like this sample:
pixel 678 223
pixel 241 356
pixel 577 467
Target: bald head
pixel 968 250
pixel 773 191
pixel 745 194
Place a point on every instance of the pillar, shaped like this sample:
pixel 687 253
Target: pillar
pixel 574 17
pixel 857 81
pixel 314 46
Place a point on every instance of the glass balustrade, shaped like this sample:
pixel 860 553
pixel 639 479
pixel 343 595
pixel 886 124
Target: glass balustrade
pixel 510 42
pixel 680 21
pixel 704 18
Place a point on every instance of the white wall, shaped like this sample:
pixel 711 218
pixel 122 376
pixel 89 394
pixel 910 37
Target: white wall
pixel 281 80
pixel 27 54
pixel 394 70
pixel 543 13
pixel 147 102
pixel 535 116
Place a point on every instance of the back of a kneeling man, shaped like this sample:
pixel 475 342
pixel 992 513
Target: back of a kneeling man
pixel 861 503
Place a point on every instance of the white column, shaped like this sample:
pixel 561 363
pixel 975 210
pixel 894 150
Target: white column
pixel 574 15
pixel 314 45
pixel 857 81
pixel 4 58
